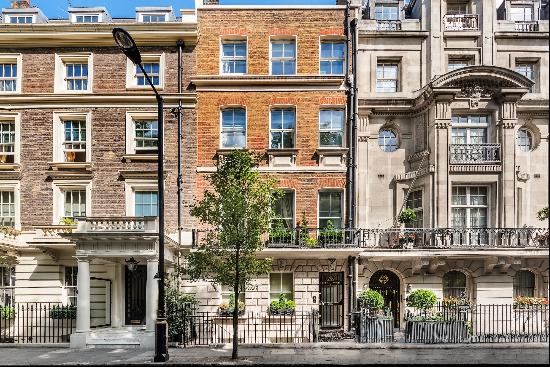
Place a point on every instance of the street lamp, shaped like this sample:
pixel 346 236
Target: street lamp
pixel 129 48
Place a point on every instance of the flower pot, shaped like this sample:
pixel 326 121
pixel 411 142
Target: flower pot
pixel 70 156
pixel 3 158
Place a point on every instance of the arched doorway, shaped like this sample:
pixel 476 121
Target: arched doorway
pixel 387 283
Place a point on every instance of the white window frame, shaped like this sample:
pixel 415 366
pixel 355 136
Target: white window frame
pixel 283 130
pixel 293 284
pixel 383 63
pixel 293 192
pixel 397 139
pixel 60 85
pixel 65 296
pixel 387 5
pixel 233 40
pixel 329 108
pixel 20 15
pixel 8 289
pixel 523 6
pixel 130 188
pixel 141 15
pixel 342 198
pixel 15 186
pixel 131 76
pixel 131 118
pixel 16 119
pixel 60 187
pixel 468 206
pixel 17 60
pixel 469 126
pixel 462 4
pixel 226 291
pixel 467 60
pixel 419 210
pixel 74 17
pixel 277 39
pixel 222 108
pixel 332 59
pixel 530 137
pixel 59 119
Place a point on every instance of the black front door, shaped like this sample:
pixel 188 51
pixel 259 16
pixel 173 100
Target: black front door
pixel 387 283
pixel 331 299
pixel 135 295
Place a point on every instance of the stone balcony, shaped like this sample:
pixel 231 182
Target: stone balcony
pixel 461 22
pixel 474 154
pixel 389 25
pixel 508 26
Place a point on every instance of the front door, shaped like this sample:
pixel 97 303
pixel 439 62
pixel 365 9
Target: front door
pixel 387 283
pixel 135 295
pixel 331 299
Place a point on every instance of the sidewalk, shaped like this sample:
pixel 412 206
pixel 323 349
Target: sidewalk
pixel 319 353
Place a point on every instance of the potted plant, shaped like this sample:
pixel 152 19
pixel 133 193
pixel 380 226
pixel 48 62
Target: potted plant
pixel 373 323
pixel 283 306
pixel 543 213
pixel 70 156
pixel 7 312
pixel 303 234
pixel 63 312
pixel 330 235
pixel 226 308
pixel 430 327
pixel 3 157
pixel 279 234
pixel 532 303
pixel 406 238
pixel 67 221
pixel 372 300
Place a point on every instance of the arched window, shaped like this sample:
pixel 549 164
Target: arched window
pixel 387 140
pixel 454 284
pixel 524 284
pixel 524 140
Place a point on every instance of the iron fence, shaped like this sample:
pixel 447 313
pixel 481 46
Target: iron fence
pixel 206 328
pixel 37 322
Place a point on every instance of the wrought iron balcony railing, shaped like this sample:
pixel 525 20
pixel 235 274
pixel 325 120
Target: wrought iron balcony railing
pixel 527 26
pixel 400 238
pixel 461 22
pixel 388 25
pixel 474 154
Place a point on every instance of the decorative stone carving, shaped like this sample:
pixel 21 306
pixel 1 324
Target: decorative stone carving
pixel 475 91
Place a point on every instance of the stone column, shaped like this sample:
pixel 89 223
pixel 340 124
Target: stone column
pixel 508 120
pixel 361 176
pixel 442 123
pixel 151 294
pixel 83 296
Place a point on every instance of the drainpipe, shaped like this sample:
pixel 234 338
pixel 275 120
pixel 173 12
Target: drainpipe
pixel 180 44
pixel 349 133
pixel 350 290
pixel 353 148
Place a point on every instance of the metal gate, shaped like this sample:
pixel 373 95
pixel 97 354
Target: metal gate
pixel 387 283
pixel 331 299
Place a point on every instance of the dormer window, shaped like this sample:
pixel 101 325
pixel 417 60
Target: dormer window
pixel 21 19
pixel 153 18
pixel 386 12
pixel 91 18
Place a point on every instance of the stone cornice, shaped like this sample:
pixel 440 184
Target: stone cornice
pixel 57 35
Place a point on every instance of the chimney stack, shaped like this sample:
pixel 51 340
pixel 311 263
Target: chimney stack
pixel 20 4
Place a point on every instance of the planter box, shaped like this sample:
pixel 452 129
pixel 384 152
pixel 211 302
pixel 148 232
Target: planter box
pixel 431 332
pixel 373 329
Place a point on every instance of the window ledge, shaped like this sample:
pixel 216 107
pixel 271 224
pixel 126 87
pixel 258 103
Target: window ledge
pixel 81 166
pixel 10 167
pixel 331 151
pixel 144 87
pixel 140 157
pixel 282 157
pixel 331 157
pixel 285 151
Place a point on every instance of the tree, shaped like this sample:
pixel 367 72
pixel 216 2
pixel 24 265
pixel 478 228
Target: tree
pixel 238 212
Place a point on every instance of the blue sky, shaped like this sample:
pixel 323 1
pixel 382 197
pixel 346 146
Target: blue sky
pixel 125 8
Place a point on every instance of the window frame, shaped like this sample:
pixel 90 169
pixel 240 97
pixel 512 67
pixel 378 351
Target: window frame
pixel 291 191
pixel 156 14
pixel 530 137
pixel 226 293
pixel 59 119
pixel 7 290
pixel 131 72
pixel 18 16
pixel 15 187
pixel 60 187
pixel 342 131
pixel 419 210
pixel 16 120
pixel 468 206
pixel 61 78
pixel 282 130
pixel 386 5
pixel 70 291
pixel 75 18
pixel 452 289
pixel 233 107
pixel 331 59
pixel 535 63
pixel 469 127
pixel 276 40
pixel 470 61
pixel 130 188
pixel 17 60
pixel 233 40
pixel 397 140
pixel 522 6
pixel 514 283
pixel 142 190
pixel 281 283
pixel 342 198
pixel 131 118
pixel 389 62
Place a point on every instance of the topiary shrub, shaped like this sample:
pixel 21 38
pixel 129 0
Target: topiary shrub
pixel 369 298
pixel 422 300
pixel 407 216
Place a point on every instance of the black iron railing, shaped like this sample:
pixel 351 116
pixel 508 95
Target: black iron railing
pixel 461 22
pixel 401 238
pixel 474 153
pixel 206 328
pixel 37 322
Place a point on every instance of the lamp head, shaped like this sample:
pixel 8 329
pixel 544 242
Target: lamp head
pixel 127 45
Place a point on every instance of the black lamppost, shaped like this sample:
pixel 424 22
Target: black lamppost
pixel 129 48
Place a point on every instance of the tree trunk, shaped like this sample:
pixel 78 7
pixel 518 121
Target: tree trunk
pixel 235 353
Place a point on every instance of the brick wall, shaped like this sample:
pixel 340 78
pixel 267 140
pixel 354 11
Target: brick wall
pixel 108 147
pixel 258 25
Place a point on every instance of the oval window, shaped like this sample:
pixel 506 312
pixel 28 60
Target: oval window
pixel 387 140
pixel 525 140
